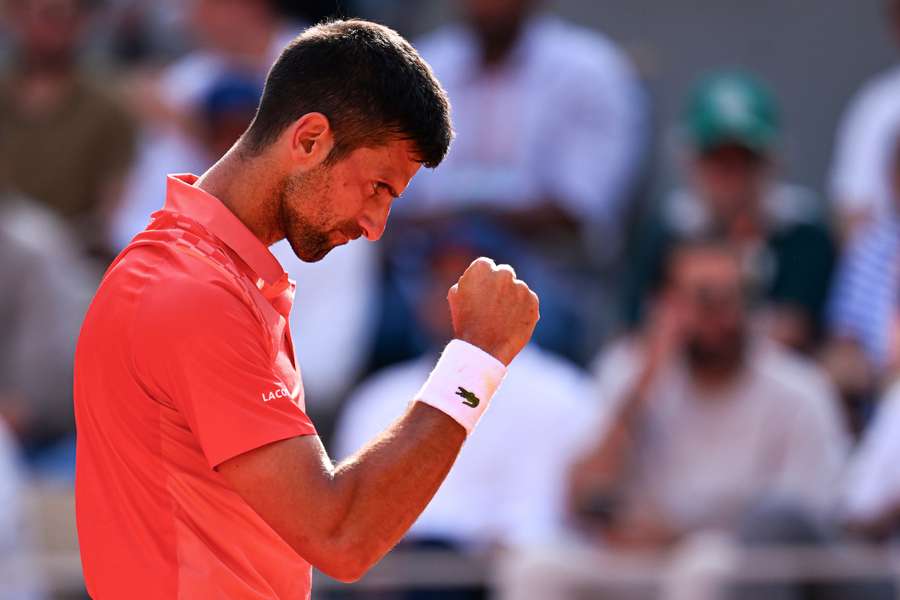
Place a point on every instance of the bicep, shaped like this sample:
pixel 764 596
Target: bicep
pixel 289 485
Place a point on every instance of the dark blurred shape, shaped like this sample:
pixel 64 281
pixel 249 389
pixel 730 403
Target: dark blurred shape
pixel 65 141
pixel 702 417
pixel 729 135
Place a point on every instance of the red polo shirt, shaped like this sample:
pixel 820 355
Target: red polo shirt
pixel 184 361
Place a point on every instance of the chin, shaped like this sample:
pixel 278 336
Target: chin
pixel 311 257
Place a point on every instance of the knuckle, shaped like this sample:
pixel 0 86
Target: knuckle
pixel 483 262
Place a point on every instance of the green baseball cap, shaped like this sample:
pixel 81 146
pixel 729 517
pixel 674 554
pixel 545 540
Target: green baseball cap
pixel 731 108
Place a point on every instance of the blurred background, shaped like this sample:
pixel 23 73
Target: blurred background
pixel 704 193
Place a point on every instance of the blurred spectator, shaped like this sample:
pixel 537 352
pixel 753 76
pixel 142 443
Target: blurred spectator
pixel 238 40
pixel 515 462
pixel 703 419
pixel 864 344
pixel 66 142
pixel 47 288
pixel 211 126
pixel 549 121
pixel 730 129
pixel 858 187
pixel 550 129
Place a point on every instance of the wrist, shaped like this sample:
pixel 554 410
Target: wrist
pixel 463 382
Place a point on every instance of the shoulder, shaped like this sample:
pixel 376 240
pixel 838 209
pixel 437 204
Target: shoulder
pixel 875 103
pixel 880 90
pixel 579 51
pixel 186 285
pixel 793 376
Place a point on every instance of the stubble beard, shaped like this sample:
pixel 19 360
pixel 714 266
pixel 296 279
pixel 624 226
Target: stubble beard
pixel 308 241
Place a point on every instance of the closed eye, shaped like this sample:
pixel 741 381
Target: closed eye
pixel 386 186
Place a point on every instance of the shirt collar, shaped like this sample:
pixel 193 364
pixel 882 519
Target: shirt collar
pixel 183 197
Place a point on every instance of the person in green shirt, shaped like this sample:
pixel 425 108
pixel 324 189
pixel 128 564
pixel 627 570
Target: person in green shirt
pixel 729 129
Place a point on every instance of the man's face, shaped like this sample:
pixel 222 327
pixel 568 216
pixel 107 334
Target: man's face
pixel 334 204
pixel 49 30
pixel 496 18
pixel 730 179
pixel 706 283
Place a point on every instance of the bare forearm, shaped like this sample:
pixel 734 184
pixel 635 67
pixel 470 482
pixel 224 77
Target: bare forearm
pixel 385 486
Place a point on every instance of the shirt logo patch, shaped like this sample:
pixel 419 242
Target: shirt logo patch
pixel 281 392
pixel 469 399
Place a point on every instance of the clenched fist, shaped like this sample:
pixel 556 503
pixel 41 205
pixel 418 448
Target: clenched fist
pixel 492 309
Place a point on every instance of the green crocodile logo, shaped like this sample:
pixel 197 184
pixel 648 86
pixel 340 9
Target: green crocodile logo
pixel 469 399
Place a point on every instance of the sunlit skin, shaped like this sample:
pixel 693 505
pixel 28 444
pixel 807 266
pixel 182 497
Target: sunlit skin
pixel 293 191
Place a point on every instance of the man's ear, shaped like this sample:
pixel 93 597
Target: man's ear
pixel 311 140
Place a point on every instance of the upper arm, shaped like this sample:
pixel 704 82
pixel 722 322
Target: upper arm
pixel 288 484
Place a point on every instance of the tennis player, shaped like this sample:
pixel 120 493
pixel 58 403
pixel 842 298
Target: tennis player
pixel 199 474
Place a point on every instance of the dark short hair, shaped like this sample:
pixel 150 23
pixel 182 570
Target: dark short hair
pixel 367 80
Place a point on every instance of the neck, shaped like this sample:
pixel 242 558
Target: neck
pixel 246 186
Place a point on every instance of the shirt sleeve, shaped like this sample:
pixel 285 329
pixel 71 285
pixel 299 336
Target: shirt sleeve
pixel 209 352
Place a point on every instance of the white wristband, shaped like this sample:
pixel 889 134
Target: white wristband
pixel 463 383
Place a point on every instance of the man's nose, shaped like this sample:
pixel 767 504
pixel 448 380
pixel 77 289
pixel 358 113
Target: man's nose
pixel 374 222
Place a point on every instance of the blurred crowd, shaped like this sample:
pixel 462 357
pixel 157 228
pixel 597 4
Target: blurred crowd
pixel 719 358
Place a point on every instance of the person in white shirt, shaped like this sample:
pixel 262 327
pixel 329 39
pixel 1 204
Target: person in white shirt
pixel 549 117
pixel 506 486
pixel 858 186
pixel 702 419
pixel 234 39
pixel 551 127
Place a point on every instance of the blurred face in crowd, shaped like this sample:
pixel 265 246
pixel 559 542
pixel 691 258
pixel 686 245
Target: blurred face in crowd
pixel 730 179
pixel 706 284
pixel 332 204
pixel 497 22
pixel 48 31
pixel 227 25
